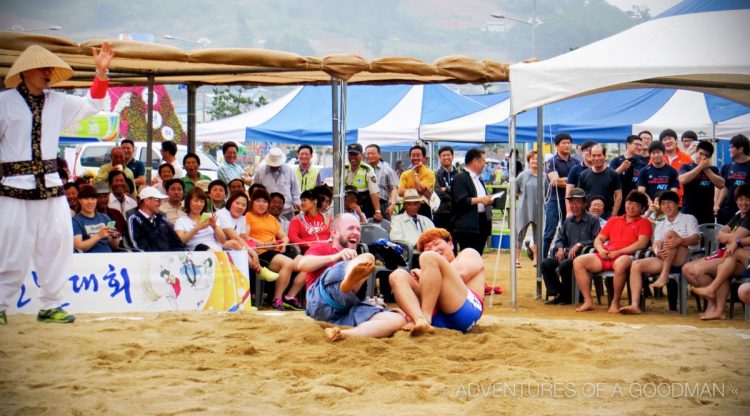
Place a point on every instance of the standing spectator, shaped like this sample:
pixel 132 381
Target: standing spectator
pixel 576 170
pixel 399 168
pixel 117 162
pixel 445 175
pixel 526 209
pixel 308 176
pixel 136 166
pixel 673 156
pixel 472 207
pixel 689 142
pixel 556 171
pixel 409 225
pixel 276 176
pixel 734 174
pixel 421 178
pixel 362 177
pixel 229 169
pixel 173 207
pixel 578 231
pixel 387 180
pixel 168 155
pixel 602 180
pixel 629 166
pixel 309 226
pixel 119 199
pixel 236 185
pixel 646 139
pixel 658 176
pixel 148 227
pixel 91 232
pixel 698 181
pixel 617 241
pixel 192 163
pixel 217 195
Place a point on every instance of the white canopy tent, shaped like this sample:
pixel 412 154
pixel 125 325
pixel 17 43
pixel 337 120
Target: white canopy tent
pixel 699 45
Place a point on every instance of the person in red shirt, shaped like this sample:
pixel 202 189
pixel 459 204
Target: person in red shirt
pixel 673 155
pixel 309 226
pixel 621 237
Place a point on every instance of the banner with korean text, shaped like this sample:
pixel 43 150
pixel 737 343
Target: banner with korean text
pixel 149 282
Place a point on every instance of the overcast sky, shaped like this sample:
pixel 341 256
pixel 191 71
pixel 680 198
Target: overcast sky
pixel 655 6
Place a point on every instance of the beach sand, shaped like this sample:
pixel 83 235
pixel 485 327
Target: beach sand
pixel 536 359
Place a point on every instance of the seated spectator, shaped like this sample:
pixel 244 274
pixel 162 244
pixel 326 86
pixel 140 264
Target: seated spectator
pixel 578 231
pixel 117 162
pixel 596 208
pixel 309 226
pixel 266 231
pixel 217 194
pixel 236 185
pixel 71 194
pixel 710 276
pixel 102 206
pixel 654 212
pixel 166 172
pixel 672 238
pixel 276 208
pixel 409 225
pixel 92 231
pixel 199 230
pixel 173 207
pixel 191 162
pixel 148 227
pixel 324 204
pixel 351 203
pixel 231 220
pixel 617 241
pixel 120 198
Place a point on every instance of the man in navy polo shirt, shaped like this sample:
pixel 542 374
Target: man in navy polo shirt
pixel 658 176
pixel 629 166
pixel 698 181
pixel 734 174
pixel 556 169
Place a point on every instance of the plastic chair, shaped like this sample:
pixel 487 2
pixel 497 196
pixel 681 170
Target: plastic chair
pixel 385 224
pixel 369 234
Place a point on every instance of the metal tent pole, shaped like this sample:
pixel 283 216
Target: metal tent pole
pixel 150 129
pixel 539 214
pixel 338 200
pixel 512 210
pixel 191 89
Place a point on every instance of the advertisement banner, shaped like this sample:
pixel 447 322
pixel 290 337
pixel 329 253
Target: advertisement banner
pixel 149 282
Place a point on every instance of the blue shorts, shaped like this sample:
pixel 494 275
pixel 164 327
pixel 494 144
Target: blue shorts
pixel 464 318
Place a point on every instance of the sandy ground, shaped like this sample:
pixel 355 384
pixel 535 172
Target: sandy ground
pixel 536 359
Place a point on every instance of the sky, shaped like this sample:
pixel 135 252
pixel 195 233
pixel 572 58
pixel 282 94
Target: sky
pixel 655 6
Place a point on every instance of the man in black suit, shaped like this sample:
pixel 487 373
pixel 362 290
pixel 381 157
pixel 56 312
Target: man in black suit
pixel 472 206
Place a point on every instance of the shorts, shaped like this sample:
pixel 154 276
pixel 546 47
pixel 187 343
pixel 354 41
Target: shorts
pixel 464 318
pixel 326 302
pixel 608 265
pixel 266 257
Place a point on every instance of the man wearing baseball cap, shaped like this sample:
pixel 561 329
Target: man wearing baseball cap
pixel 31 195
pixel 363 178
pixel 148 228
pixel 578 230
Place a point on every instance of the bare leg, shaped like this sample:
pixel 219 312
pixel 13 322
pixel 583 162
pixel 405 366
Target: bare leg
pixel 731 266
pixel 669 259
pixel 719 302
pixel 639 267
pixel 406 291
pixel 582 265
pixel 744 293
pixel 381 325
pixel 441 286
pixel 283 265
pixel 621 268
pixel 357 272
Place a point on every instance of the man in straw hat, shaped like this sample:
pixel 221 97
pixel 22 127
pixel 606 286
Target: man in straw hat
pixel 36 228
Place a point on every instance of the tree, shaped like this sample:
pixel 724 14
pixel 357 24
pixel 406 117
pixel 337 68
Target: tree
pixel 230 101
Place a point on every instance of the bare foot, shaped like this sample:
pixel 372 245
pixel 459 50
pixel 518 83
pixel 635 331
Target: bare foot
pixel 614 307
pixel 587 306
pixel 630 310
pixel 713 315
pixel 421 326
pixel 704 292
pixel 358 273
pixel 408 327
pixel 660 282
pixel 334 334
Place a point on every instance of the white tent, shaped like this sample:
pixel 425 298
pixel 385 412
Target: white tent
pixel 697 44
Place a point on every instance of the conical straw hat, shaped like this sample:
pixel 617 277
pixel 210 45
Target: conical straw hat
pixel 37 57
